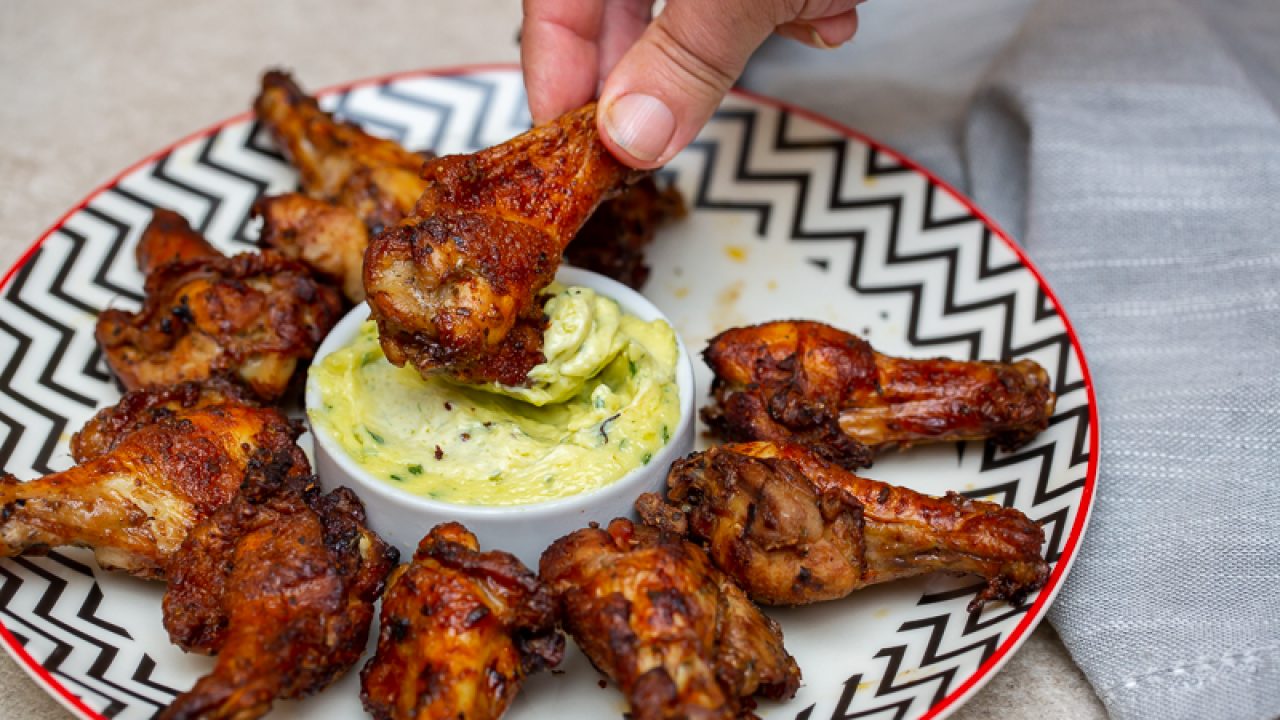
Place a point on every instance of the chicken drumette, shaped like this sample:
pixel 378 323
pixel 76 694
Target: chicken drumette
pixel 812 384
pixel 254 315
pixel 455 286
pixel 792 528
pixel 353 185
pixel 280 583
pixel 140 408
pixel 329 239
pixel 679 638
pixel 151 469
pixel 376 179
pixel 460 630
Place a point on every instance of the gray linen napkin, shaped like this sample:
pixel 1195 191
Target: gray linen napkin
pixel 1134 149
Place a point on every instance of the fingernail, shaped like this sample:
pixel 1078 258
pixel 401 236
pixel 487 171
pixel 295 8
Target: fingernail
pixel 816 40
pixel 641 124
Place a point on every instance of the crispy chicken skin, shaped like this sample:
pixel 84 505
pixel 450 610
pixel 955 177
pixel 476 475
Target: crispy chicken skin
pixel 460 630
pixel 140 408
pixel 614 239
pixel 143 487
pixel 812 384
pixel 376 179
pixel 280 583
pixel 170 238
pixel 254 315
pixel 792 528
pixel 353 185
pixel 679 638
pixel 455 286
pixel 329 239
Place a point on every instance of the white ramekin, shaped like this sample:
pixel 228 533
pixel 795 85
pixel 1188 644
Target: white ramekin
pixel 525 531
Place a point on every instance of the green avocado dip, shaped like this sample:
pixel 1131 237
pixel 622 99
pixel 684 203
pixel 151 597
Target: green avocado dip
pixel 604 403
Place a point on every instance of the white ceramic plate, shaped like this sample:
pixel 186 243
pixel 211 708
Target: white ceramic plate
pixel 792 217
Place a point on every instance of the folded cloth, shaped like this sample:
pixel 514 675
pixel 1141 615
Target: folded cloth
pixel 1134 149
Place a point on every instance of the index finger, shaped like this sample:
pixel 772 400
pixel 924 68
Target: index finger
pixel 560 54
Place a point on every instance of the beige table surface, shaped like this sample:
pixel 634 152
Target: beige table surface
pixel 91 87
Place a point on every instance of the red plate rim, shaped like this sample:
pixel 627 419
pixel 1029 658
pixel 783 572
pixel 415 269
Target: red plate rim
pixel 939 710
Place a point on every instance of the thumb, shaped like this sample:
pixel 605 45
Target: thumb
pixel 667 85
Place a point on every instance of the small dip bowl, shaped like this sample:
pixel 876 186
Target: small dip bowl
pixel 403 518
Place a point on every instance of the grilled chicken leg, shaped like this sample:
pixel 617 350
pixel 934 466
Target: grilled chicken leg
pixel 679 638
pixel 353 185
pixel 254 315
pixel 792 528
pixel 144 483
pixel 455 286
pixel 461 629
pixel 810 383
pixel 280 583
pixel 377 179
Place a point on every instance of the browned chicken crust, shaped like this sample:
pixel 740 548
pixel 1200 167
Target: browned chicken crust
pixel 280 583
pixel 679 638
pixel 375 178
pixel 254 315
pixel 460 630
pixel 143 487
pixel 809 383
pixel 140 408
pixel 792 528
pixel 455 286
pixel 353 185
pixel 329 239
pixel 614 239
pixel 170 238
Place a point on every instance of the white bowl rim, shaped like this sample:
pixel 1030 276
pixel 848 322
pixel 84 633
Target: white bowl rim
pixel 630 300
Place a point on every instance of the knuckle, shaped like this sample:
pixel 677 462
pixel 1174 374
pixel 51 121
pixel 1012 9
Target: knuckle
pixel 691 59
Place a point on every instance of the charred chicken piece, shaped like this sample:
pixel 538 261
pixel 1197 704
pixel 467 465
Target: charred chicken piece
pixel 455 286
pixel 170 238
pixel 279 583
pixel 679 638
pixel 329 239
pixel 140 408
pixel 254 315
pixel 353 185
pixel 792 528
pixel 376 179
pixel 614 240
pixel 460 630
pixel 812 384
pixel 145 483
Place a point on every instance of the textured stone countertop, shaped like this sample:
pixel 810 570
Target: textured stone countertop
pixel 91 88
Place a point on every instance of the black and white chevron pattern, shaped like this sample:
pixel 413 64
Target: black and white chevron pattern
pixel 792 218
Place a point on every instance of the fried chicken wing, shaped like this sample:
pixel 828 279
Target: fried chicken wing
pixel 377 179
pixel 460 630
pixel 145 482
pixel 679 638
pixel 812 384
pixel 455 286
pixel 140 408
pixel 280 583
pixel 792 528
pixel 614 239
pixel 354 184
pixel 254 315
pixel 329 239
pixel 170 238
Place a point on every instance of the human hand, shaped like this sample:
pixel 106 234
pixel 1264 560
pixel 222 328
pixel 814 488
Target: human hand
pixel 659 82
